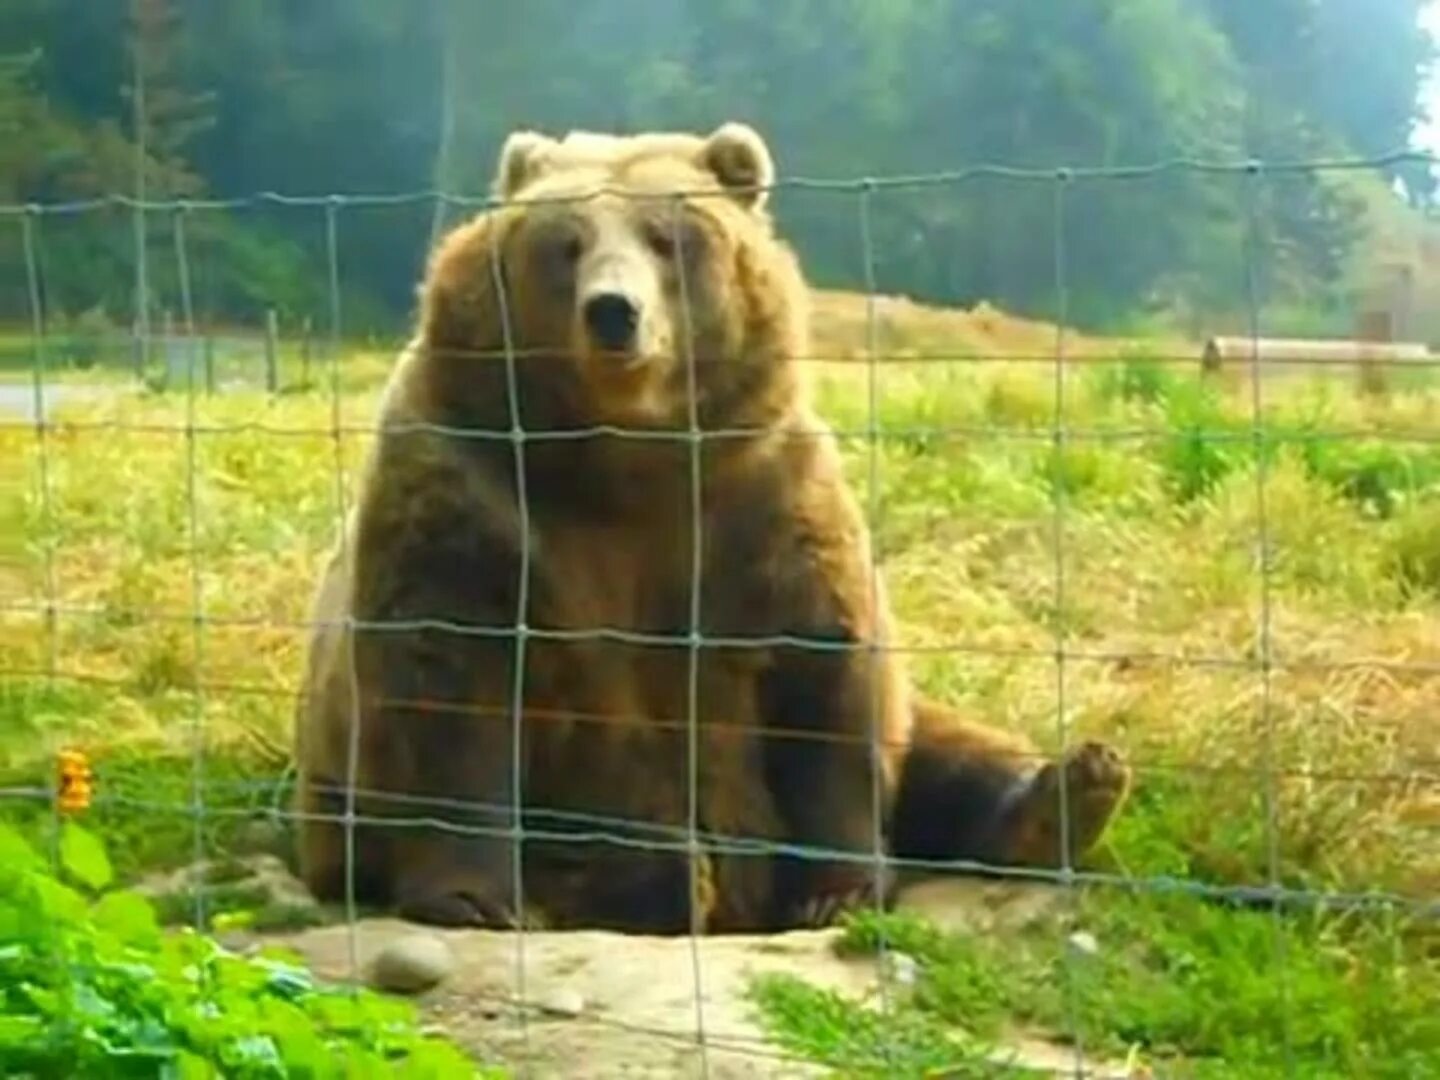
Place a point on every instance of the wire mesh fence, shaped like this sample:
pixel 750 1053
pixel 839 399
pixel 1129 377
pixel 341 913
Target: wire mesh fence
pixel 212 648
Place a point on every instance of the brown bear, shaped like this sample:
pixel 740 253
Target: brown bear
pixel 602 645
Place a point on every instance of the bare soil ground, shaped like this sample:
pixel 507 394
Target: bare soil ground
pixel 610 1005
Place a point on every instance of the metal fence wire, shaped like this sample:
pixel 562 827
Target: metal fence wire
pixel 213 798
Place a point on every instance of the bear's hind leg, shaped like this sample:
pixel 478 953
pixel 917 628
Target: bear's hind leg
pixel 971 792
pixel 1096 781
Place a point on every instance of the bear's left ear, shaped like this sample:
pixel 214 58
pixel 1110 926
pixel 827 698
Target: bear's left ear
pixel 521 160
pixel 740 160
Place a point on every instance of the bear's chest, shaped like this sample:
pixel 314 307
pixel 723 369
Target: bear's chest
pixel 620 605
pixel 645 577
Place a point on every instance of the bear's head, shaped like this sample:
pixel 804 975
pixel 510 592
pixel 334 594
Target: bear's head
pixel 619 273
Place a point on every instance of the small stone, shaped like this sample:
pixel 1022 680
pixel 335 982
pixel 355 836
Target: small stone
pixel 902 968
pixel 1082 941
pixel 412 964
pixel 562 1002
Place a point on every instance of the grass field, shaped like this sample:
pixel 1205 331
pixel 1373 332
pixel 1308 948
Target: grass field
pixel 1284 725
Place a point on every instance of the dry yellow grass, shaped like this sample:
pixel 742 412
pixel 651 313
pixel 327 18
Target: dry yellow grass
pixel 1162 594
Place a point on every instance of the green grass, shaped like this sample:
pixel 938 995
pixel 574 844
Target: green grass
pixel 1203 990
pixel 1154 494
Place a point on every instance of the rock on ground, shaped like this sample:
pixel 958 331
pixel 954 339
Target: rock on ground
pixel 411 963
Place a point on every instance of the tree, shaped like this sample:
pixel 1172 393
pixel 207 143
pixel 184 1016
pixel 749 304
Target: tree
pixel 376 97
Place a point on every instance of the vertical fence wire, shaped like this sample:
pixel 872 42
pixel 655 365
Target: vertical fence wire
pixel 346 557
pixel 445 151
pixel 197 591
pixel 1059 482
pixel 1252 181
pixel 516 832
pixel 182 264
pixel 39 373
pixel 878 644
pixel 696 638
pixel 137 215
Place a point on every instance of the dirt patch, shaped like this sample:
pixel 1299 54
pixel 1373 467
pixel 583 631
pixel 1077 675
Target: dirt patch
pixel 599 1004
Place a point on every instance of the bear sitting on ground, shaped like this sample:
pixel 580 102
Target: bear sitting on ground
pixel 604 584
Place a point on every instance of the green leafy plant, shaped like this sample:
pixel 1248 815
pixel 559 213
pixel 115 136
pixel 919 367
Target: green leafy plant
pixel 92 986
pixel 1202 448
pixel 1138 377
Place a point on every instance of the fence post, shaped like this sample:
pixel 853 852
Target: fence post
pixel 209 363
pixel 167 349
pixel 137 350
pixel 272 359
pixel 305 346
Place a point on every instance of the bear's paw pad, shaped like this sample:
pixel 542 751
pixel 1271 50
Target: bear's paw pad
pixel 1086 787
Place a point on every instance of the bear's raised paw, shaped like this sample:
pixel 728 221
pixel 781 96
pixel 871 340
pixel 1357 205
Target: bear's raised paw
pixel 1096 781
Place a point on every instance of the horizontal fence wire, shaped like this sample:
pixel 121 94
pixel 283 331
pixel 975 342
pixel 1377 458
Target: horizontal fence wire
pixel 211 799
pixel 843 185
pixel 760 642
pixel 618 832
pixel 898 433
pixel 1119 350
pixel 659 721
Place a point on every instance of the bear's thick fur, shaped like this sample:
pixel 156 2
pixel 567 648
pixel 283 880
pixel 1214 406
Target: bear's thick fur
pixel 523 558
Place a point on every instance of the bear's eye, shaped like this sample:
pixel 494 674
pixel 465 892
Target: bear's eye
pixel 570 248
pixel 671 239
pixel 661 240
pixel 559 243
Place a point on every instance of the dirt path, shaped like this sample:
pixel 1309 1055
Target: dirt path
pixel 19 398
pixel 611 1005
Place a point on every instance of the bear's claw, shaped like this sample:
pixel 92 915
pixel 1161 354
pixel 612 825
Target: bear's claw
pixel 460 907
pixel 844 892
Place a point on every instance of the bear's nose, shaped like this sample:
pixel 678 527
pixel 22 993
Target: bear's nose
pixel 612 319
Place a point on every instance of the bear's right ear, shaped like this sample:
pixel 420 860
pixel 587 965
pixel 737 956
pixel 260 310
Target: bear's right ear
pixel 739 158
pixel 521 160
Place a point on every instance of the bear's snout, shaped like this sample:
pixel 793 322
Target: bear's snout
pixel 612 320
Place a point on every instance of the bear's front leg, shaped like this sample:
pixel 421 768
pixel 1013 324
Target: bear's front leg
pixel 436 584
pixel 823 760
pixel 445 713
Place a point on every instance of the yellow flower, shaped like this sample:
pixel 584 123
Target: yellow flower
pixel 77 782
